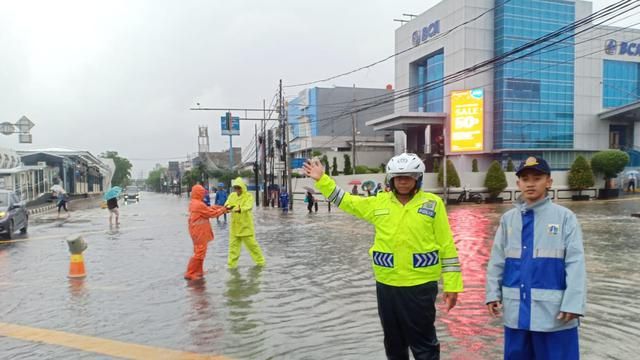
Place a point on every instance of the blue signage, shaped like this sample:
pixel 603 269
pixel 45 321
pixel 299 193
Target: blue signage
pixel 230 125
pixel 427 32
pixel 612 47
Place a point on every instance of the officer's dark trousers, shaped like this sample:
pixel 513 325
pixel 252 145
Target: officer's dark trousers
pixel 407 315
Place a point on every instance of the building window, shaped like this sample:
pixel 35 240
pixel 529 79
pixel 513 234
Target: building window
pixel 430 72
pixel 620 83
pixel 533 95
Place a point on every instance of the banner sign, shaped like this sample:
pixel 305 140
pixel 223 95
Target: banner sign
pixel 467 121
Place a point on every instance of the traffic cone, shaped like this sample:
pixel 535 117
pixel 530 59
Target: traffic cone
pixel 76 267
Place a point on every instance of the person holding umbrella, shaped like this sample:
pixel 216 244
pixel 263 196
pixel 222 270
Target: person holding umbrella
pixel 111 196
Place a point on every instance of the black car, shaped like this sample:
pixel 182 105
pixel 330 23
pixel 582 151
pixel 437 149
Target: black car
pixel 13 214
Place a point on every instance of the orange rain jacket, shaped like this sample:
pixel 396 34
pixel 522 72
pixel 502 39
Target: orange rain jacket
pixel 199 215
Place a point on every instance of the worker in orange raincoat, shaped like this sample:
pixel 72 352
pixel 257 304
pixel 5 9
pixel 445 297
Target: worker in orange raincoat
pixel 200 230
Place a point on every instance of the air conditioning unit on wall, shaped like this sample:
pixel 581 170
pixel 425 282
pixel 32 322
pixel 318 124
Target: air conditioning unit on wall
pixel 42 163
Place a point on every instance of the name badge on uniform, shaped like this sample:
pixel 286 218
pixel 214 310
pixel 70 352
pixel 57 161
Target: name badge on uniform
pixel 428 208
pixel 553 229
pixel 380 212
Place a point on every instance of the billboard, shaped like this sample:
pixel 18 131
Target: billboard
pixel 467 121
pixel 229 125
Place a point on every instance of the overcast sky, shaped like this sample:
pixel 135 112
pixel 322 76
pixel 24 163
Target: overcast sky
pixel 122 75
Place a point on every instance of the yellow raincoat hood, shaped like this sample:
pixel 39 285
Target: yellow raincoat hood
pixel 241 214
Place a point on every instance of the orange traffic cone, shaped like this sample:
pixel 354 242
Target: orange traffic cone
pixel 76 267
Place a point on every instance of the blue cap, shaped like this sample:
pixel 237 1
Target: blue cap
pixel 534 163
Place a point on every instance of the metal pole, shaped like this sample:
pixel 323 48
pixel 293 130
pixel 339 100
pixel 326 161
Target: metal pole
pixel 255 169
pixel 265 192
pixel 353 130
pixel 230 151
pixel 444 163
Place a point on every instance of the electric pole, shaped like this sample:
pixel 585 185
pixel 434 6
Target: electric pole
pixel 265 191
pixel 353 130
pixel 285 146
pixel 256 169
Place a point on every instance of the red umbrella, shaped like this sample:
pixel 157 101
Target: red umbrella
pixel 355 182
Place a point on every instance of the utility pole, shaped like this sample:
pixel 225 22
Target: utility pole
pixel 353 130
pixel 444 162
pixel 285 146
pixel 265 192
pixel 256 168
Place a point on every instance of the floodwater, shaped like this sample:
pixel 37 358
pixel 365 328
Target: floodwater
pixel 315 299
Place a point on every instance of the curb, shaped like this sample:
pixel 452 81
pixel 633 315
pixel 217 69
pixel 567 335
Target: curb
pixel 41 209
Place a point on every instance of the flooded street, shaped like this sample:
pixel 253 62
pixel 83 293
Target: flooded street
pixel 315 299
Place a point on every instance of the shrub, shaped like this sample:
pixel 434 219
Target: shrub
pixel 316 153
pixel 609 163
pixel 510 166
pixel 495 181
pixel 474 165
pixel 362 169
pixel 453 180
pixel 347 165
pixel 374 170
pixel 325 162
pixel 436 165
pixel 334 167
pixel 383 168
pixel 580 175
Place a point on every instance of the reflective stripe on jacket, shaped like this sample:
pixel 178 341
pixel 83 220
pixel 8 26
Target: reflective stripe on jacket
pixel 413 243
pixel 537 267
pixel 241 222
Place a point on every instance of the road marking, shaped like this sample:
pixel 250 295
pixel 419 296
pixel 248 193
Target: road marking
pixel 97 345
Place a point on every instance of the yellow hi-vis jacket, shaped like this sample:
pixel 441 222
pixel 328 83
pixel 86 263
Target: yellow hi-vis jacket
pixel 413 243
pixel 241 215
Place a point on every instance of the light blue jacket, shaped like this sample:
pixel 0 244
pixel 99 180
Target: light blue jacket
pixel 537 267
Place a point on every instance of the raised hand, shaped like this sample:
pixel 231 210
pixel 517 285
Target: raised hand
pixel 313 169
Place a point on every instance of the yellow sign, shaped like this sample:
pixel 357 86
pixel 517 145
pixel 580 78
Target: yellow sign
pixel 467 120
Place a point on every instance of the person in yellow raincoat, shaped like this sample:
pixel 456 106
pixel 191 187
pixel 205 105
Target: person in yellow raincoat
pixel 240 204
pixel 200 230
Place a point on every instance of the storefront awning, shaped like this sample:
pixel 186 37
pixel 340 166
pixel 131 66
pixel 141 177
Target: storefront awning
pixel 405 121
pixel 627 113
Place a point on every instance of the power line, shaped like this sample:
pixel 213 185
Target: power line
pixel 437 37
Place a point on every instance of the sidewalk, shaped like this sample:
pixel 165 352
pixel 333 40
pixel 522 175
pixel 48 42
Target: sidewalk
pixel 74 204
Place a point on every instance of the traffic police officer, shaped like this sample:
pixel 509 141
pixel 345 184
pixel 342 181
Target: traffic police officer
pixel 413 248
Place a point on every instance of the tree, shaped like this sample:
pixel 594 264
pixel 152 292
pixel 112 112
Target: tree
pixel 495 181
pixel 474 165
pixel 453 180
pixel 510 166
pixel 609 163
pixel 316 153
pixel 383 168
pixel 334 167
pixel 580 175
pixel 325 162
pixel 347 165
pixel 122 175
pixel 154 180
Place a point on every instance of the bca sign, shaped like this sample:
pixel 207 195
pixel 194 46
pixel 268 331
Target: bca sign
pixel 427 32
pixel 613 47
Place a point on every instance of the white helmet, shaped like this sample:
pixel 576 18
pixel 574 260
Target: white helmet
pixel 405 164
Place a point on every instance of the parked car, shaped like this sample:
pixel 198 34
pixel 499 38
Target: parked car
pixel 131 193
pixel 13 214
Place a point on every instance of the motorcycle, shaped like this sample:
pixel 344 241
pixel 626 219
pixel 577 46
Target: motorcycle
pixel 469 196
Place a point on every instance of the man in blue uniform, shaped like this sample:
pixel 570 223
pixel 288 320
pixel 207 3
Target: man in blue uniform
pixel 537 272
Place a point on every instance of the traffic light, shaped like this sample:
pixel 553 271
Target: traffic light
pixel 439 145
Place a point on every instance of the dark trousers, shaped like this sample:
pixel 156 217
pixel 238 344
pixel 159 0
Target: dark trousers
pixel 631 186
pixel 407 315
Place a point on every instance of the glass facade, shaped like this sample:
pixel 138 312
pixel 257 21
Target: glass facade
pixel 533 100
pixel 430 74
pixel 620 83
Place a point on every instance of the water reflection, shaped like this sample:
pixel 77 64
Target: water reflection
pixel 239 299
pixel 469 323
pixel 203 327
